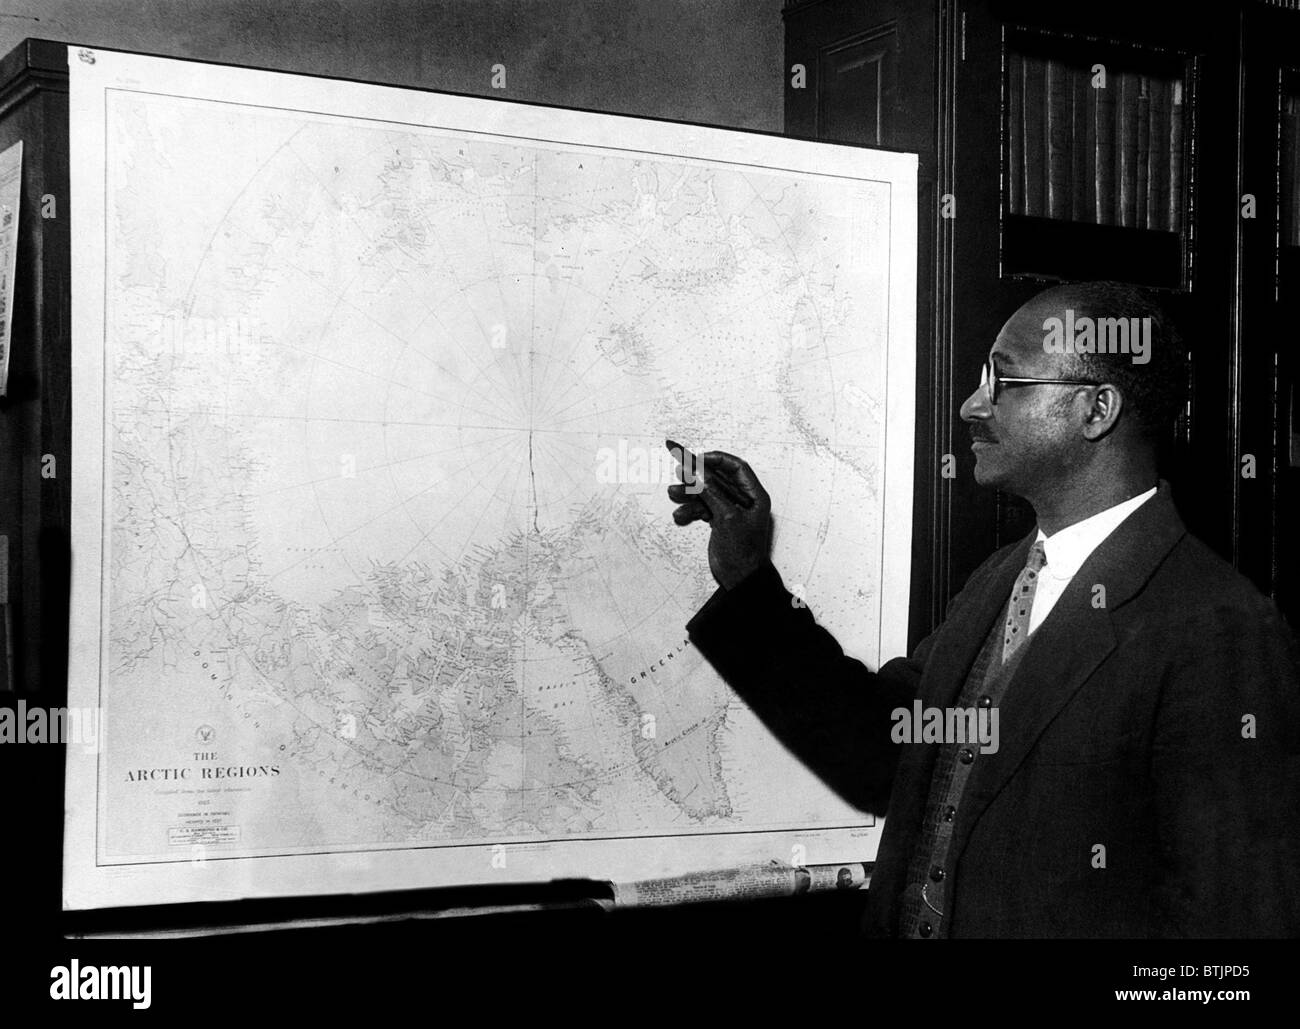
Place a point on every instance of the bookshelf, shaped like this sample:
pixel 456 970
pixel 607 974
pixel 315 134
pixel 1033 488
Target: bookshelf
pixel 1094 171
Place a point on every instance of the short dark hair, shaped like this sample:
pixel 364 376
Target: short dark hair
pixel 1154 391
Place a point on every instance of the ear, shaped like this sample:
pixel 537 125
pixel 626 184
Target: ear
pixel 1105 404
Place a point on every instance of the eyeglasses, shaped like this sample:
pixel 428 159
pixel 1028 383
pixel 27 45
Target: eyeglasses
pixel 993 383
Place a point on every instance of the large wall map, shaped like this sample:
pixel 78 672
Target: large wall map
pixel 376 581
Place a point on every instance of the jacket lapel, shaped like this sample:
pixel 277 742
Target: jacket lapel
pixel 965 633
pixel 954 652
pixel 1067 648
pixel 955 648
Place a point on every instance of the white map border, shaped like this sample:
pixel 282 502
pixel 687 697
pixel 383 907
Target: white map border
pixel 87 884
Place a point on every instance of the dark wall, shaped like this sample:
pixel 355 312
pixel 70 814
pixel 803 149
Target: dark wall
pixel 714 61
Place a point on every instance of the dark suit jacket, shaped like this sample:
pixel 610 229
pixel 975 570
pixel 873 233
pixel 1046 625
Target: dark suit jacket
pixel 1126 725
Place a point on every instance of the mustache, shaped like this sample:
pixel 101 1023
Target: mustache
pixel 981 436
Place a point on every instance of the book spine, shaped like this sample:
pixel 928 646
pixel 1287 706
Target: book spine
pixel 1035 138
pixel 1058 141
pixel 1176 113
pixel 1142 167
pixel 1082 188
pixel 1103 105
pixel 1126 150
pixel 1015 135
pixel 1158 158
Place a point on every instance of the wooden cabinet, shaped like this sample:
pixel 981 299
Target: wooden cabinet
pixel 35 423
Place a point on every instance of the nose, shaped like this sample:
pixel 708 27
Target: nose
pixel 976 406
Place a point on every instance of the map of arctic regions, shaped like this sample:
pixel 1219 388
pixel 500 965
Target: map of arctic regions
pixel 386 526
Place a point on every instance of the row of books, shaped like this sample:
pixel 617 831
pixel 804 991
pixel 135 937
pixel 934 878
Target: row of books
pixel 1104 148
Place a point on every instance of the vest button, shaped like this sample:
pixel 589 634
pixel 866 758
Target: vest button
pixel 949 813
pixel 925 929
pixel 966 755
pixel 936 874
pixel 986 701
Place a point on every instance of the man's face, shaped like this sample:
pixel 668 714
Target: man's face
pixel 1029 440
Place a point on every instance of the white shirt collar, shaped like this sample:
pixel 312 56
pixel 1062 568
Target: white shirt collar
pixel 1067 549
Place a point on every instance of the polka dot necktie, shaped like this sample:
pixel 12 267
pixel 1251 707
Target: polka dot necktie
pixel 1022 602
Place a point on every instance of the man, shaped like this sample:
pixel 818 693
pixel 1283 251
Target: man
pixel 1146 778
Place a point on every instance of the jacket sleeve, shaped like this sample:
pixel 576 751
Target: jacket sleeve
pixel 827 708
pixel 1226 771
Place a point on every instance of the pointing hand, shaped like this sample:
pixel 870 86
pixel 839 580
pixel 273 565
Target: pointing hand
pixel 721 489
